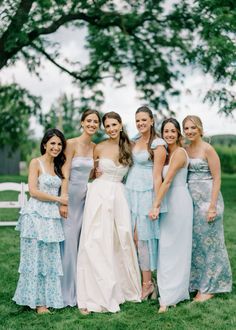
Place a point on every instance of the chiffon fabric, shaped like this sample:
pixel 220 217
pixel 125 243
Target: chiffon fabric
pixel 107 268
pixel 175 242
pixel 210 271
pixel 79 175
pixel 140 195
pixel 40 261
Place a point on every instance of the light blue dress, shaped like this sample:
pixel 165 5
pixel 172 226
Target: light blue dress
pixel 79 175
pixel 210 271
pixel 140 195
pixel 175 242
pixel 40 261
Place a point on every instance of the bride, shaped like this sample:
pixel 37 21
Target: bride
pixel 107 266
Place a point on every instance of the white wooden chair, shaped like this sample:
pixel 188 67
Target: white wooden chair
pixel 22 188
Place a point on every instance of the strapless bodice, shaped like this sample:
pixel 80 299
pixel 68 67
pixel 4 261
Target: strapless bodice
pixel 111 171
pixel 80 169
pixel 198 170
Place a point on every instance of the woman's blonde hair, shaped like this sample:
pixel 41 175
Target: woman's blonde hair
pixel 196 120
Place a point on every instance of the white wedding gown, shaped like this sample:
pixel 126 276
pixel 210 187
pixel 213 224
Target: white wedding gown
pixel 107 267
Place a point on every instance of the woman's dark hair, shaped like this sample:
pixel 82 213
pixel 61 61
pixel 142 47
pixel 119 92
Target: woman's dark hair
pixel 125 153
pixel 153 133
pixel 176 125
pixel 88 112
pixel 61 158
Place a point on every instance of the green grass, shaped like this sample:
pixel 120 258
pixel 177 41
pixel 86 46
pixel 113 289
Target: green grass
pixel 218 313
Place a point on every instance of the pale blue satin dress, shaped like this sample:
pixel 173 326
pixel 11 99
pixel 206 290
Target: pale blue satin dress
pixel 210 271
pixel 79 175
pixel 140 194
pixel 175 242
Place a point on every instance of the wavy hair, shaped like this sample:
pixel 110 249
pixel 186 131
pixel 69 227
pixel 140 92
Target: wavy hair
pixel 125 152
pixel 153 133
pixel 61 158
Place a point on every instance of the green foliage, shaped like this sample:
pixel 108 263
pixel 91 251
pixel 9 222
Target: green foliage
pixel 17 106
pixel 217 314
pixel 227 158
pixel 65 114
pixel 152 39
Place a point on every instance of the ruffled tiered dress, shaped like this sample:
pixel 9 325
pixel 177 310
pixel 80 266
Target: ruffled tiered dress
pixel 40 261
pixel 140 195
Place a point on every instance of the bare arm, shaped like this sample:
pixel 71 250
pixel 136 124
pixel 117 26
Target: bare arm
pixel 69 152
pixel 34 173
pixel 214 165
pixel 159 162
pixel 178 161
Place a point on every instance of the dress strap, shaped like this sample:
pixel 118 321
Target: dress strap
pixel 187 158
pixel 41 166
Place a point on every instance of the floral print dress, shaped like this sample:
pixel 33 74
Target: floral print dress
pixel 210 270
pixel 40 261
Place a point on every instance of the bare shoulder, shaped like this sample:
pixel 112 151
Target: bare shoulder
pixel 101 145
pixel 34 164
pixel 180 153
pixel 208 149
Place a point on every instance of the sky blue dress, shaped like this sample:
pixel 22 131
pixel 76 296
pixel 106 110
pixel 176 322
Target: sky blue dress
pixel 210 272
pixel 79 175
pixel 175 242
pixel 40 261
pixel 140 195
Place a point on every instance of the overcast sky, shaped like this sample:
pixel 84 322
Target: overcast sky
pixel 123 100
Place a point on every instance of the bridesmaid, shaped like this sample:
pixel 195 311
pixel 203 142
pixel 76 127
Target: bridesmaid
pixel 210 272
pixel 144 179
pixel 79 163
pixel 41 229
pixel 175 242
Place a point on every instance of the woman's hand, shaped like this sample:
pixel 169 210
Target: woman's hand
pixel 211 214
pixel 63 199
pixel 98 172
pixel 154 213
pixel 63 209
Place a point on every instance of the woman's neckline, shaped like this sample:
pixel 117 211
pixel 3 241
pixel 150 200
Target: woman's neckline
pixel 85 157
pixel 120 165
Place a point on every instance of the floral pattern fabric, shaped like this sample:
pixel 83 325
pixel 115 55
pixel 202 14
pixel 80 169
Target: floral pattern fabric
pixel 210 270
pixel 40 261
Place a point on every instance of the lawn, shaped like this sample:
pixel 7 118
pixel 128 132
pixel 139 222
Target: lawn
pixel 219 313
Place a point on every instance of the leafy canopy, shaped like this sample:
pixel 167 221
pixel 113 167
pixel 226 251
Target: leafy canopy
pixel 152 39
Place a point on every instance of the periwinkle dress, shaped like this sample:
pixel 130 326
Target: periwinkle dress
pixel 41 231
pixel 211 271
pixel 79 175
pixel 140 195
pixel 175 242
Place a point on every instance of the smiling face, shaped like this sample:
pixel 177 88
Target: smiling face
pixel 112 127
pixel 143 122
pixel 90 124
pixel 53 147
pixel 191 131
pixel 170 133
